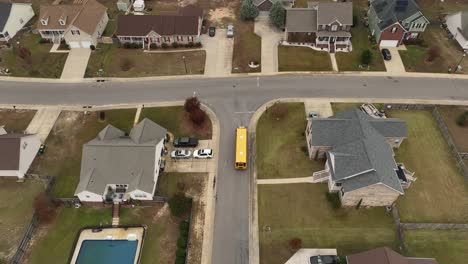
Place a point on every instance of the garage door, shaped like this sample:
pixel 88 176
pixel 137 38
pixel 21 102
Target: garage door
pixel 74 44
pixel 388 43
pixel 85 44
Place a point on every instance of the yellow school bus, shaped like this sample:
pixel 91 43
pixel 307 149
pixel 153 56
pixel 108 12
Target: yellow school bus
pixel 241 148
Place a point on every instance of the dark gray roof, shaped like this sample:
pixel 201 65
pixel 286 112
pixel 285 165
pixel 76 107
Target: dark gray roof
pixel 391 11
pixel 329 12
pixel 113 158
pixel 301 20
pixel 5 9
pixel 360 154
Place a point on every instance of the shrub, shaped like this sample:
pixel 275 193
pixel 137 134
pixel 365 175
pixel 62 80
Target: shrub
pixel 92 47
pixel 462 119
pixel 182 242
pixel 126 64
pixel 334 199
pixel 25 54
pixel 181 253
pixel 342 260
pixel 366 57
pixel 102 115
pixel 153 46
pixel 164 45
pixel 279 111
pixel 248 10
pixel 191 44
pixel 180 261
pixel 191 104
pixel 44 208
pixel 198 116
pixel 175 44
pixel 43 41
pixel 277 14
pixel 184 226
pixel 179 205
pixel 295 243
pixel 433 53
pixel 198 44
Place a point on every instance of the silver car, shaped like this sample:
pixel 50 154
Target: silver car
pixel 181 154
pixel 230 31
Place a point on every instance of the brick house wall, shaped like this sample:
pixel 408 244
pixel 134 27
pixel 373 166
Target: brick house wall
pixel 390 34
pixel 374 195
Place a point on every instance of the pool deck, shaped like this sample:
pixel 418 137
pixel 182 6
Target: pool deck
pixel 118 233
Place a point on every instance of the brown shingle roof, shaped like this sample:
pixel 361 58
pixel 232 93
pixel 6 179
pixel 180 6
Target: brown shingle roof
pixel 10 151
pixel 162 25
pixel 385 255
pixel 84 16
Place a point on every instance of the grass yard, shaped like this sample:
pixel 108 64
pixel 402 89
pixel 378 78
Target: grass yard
pixel 414 58
pixel 446 246
pixel 440 194
pixel 176 121
pixel 15 214
pixel 302 211
pixel 53 243
pixel 161 233
pixel 120 62
pixel 303 59
pixel 459 134
pixel 64 145
pixel 281 144
pixel 16 121
pixel 435 8
pixel 247 47
pixel 41 63
pixel 340 107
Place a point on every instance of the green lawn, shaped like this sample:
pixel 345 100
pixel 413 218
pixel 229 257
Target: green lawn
pixel 16 121
pixel 16 213
pixel 161 233
pixel 120 62
pixel 440 193
pixel 64 145
pixel 303 59
pixel 350 61
pixel 247 47
pixel 168 181
pixel 41 63
pixel 55 242
pixel 281 144
pixel 447 247
pixel 302 211
pixel 176 121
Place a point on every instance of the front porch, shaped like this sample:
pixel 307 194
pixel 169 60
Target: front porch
pixel 319 42
pixel 405 176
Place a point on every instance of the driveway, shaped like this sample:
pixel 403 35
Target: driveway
pixel 43 122
pixel 76 64
pixel 321 107
pixel 270 38
pixel 192 164
pixel 218 54
pixel 395 65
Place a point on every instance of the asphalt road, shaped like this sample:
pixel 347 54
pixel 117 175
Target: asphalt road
pixel 233 100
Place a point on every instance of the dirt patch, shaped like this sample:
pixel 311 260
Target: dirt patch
pixel 16 121
pixel 219 15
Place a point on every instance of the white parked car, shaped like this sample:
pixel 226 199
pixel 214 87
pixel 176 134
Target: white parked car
pixel 203 154
pixel 230 31
pixel 181 154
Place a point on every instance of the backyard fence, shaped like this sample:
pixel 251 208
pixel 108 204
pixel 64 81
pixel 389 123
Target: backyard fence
pixel 33 224
pixel 189 240
pixel 434 226
pixel 459 156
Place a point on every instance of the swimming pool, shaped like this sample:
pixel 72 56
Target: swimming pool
pixel 107 252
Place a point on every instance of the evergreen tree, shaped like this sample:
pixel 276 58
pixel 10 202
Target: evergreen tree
pixel 248 10
pixel 277 14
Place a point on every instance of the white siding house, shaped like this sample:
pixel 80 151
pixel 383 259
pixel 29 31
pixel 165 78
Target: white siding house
pixel 13 17
pixel 17 152
pixel 457 24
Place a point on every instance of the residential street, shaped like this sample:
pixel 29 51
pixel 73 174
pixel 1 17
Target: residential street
pixel 233 100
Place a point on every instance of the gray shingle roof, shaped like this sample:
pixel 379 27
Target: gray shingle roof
pixel 392 11
pixel 360 154
pixel 301 20
pixel 329 12
pixel 5 9
pixel 113 158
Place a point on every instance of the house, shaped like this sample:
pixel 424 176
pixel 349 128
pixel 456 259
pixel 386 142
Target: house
pixel 385 255
pixel 118 167
pixel 17 152
pixel 457 24
pixel 322 25
pixel 183 26
pixel 264 6
pixel 80 24
pixel 360 162
pixel 13 17
pixel 393 21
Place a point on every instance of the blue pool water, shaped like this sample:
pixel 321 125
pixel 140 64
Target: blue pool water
pixel 107 252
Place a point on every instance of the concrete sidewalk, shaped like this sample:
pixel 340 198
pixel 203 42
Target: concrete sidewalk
pixel 43 122
pixel 75 66
pixel 309 179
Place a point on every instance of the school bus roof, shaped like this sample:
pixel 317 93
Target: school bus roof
pixel 241 144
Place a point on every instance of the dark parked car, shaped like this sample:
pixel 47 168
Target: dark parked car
pixel 324 260
pixel 386 54
pixel 42 149
pixel 212 31
pixel 185 142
